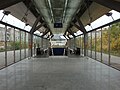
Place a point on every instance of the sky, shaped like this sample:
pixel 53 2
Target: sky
pixel 103 20
pixel 99 22
pixel 14 21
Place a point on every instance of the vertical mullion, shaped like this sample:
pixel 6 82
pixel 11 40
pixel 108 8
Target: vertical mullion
pixel 5 46
pixel 14 45
pixel 101 46
pixel 95 44
pixel 25 44
pixel 20 45
pixel 91 45
pixel 109 45
pixel 87 44
pixel 80 45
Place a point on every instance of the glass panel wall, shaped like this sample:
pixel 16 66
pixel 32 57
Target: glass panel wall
pixel 72 43
pixel 82 43
pixel 2 46
pixel 115 45
pixel 77 41
pixel 38 42
pixel 17 45
pixel 14 45
pixel 98 44
pixel 33 46
pixel 89 44
pixel 10 45
pixel 27 45
pixel 93 44
pixel 22 45
pixel 35 42
pixel 105 44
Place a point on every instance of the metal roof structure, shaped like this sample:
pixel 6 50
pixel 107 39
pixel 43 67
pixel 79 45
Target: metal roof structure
pixel 73 14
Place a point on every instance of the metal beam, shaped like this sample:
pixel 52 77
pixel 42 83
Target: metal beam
pixel 39 26
pixel 70 31
pixel 81 25
pixel 45 32
pixel 68 36
pixel 7 3
pixel 75 25
pixel 112 4
pixel 35 24
pixel 81 28
pixel 78 27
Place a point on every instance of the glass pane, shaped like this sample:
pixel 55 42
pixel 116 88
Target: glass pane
pixel 77 41
pixel 105 44
pixel 22 45
pixel 17 45
pixel 33 49
pixel 10 45
pixel 89 44
pixel 82 42
pixel 26 44
pixel 98 44
pixel 115 45
pixel 44 43
pixel 72 43
pixel 2 46
pixel 38 42
pixel 93 44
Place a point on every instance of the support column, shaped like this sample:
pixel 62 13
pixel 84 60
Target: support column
pixel 30 36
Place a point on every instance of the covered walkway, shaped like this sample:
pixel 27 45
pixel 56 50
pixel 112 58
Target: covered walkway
pixel 59 44
pixel 59 73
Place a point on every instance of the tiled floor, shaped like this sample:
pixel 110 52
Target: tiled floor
pixel 59 73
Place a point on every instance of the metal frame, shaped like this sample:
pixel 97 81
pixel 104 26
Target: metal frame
pixel 8 3
pixel 112 4
pixel 20 30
